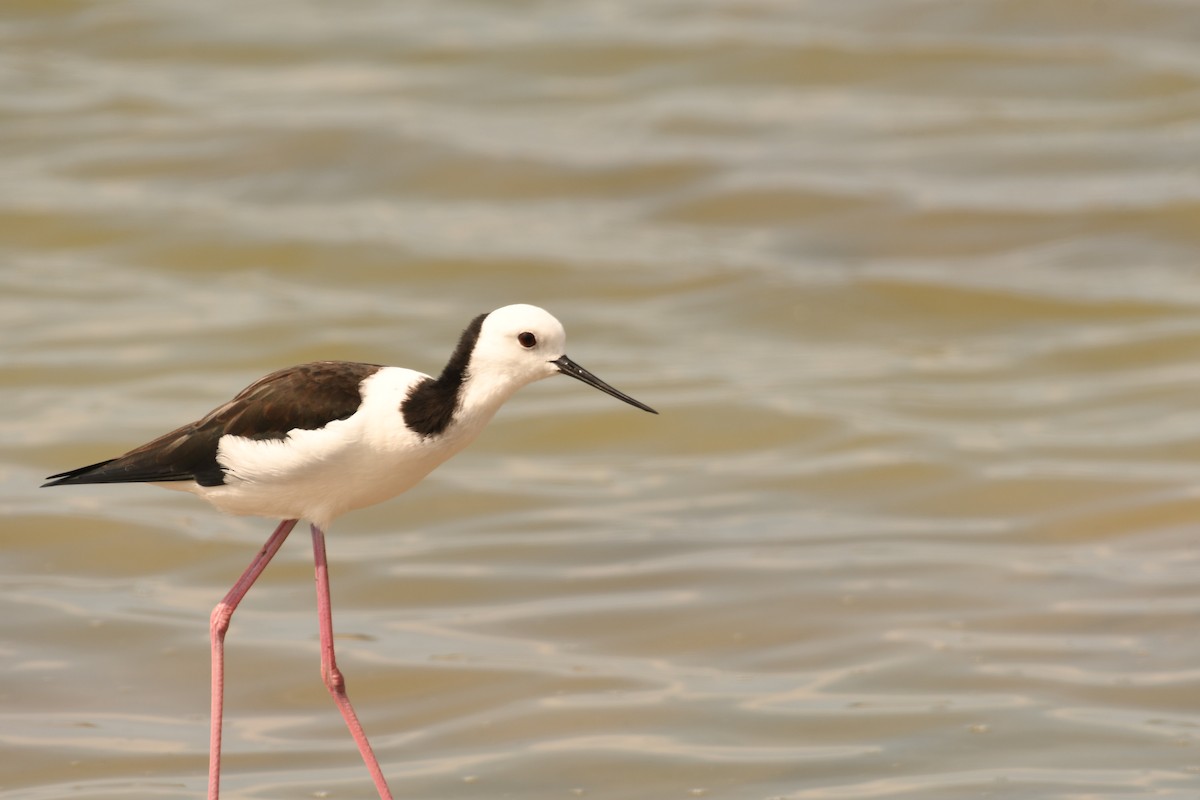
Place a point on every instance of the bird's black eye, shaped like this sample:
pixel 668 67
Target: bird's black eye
pixel 526 339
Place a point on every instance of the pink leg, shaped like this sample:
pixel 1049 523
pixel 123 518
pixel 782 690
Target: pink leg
pixel 329 669
pixel 218 625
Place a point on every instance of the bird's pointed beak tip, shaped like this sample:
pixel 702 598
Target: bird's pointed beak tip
pixel 568 367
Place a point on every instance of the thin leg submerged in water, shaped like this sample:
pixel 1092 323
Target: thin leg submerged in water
pixel 329 668
pixel 219 625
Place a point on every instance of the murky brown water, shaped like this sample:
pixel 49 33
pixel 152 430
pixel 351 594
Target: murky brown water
pixel 913 284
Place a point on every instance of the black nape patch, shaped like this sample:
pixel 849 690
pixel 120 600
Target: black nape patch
pixel 430 405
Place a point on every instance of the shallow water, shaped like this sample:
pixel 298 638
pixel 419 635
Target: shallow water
pixel 913 285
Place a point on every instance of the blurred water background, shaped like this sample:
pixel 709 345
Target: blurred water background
pixel 912 282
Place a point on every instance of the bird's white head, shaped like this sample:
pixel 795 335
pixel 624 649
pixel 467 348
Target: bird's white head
pixel 520 344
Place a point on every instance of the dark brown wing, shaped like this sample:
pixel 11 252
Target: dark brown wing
pixel 308 396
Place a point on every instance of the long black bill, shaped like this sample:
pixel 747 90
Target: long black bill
pixel 568 367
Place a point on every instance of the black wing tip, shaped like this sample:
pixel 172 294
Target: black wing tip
pixel 214 477
pixel 57 480
pixel 78 475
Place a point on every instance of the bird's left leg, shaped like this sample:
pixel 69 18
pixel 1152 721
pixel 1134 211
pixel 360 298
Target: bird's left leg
pixel 329 669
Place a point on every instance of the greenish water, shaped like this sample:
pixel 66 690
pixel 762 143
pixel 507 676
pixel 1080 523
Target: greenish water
pixel 912 284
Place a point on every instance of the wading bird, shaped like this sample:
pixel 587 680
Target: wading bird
pixel 317 440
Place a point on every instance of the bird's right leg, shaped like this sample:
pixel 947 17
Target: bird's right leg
pixel 218 625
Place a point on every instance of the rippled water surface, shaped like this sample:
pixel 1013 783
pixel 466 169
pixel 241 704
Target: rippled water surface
pixel 913 283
